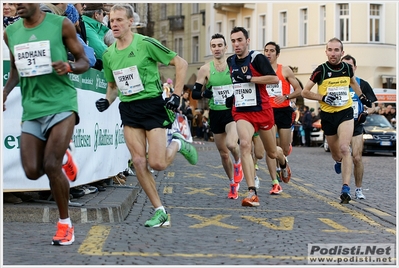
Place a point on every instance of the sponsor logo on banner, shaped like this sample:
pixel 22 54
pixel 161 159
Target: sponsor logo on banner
pixel 119 136
pixel 80 139
pixel 11 142
pixel 102 137
pixel 100 82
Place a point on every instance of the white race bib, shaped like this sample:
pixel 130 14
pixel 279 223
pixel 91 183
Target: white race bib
pixel 220 93
pixel 341 94
pixel 33 59
pixel 355 107
pixel 244 94
pixel 128 80
pixel 275 89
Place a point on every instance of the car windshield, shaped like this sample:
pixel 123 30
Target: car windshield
pixel 376 120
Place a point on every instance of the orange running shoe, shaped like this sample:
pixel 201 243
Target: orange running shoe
pixel 285 174
pixel 233 194
pixel 238 174
pixel 276 189
pixel 290 150
pixel 251 200
pixel 64 235
pixel 70 168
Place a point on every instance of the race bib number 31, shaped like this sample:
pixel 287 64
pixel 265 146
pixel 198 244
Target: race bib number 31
pixel 33 59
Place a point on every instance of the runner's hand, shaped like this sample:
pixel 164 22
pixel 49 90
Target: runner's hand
pixel 362 117
pixel 365 100
pixel 329 99
pixel 173 103
pixel 102 104
pixel 208 93
pixel 229 101
pixel 241 78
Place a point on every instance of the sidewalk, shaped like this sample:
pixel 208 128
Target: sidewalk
pixel 111 205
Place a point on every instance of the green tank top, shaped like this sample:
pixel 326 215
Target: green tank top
pixel 217 78
pixel 49 93
pixel 135 68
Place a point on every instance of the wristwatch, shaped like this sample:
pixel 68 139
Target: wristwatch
pixel 287 97
pixel 72 67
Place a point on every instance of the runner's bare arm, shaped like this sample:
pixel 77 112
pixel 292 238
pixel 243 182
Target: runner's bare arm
pixel 306 93
pixel 112 92
pixel 71 41
pixel 13 78
pixel 181 66
pixel 265 79
pixel 290 77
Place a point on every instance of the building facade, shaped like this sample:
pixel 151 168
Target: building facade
pixel 368 31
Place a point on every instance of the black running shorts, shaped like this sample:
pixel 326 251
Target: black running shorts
pixel 331 121
pixel 219 120
pixel 146 114
pixel 283 117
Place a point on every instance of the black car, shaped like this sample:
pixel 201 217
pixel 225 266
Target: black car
pixel 379 136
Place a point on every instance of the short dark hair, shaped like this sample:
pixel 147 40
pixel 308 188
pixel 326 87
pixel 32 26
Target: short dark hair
pixel 217 36
pixel 349 57
pixel 240 29
pixel 335 39
pixel 275 45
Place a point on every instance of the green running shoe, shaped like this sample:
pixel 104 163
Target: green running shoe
pixel 187 149
pixel 159 219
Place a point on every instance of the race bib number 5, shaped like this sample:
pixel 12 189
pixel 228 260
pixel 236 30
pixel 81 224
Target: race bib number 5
pixel 245 94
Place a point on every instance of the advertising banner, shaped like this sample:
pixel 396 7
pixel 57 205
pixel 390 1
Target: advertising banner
pixel 100 149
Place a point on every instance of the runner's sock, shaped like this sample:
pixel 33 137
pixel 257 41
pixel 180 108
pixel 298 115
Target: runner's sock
pixel 66 221
pixel 275 182
pixel 161 207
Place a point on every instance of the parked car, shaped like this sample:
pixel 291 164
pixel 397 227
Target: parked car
pixel 379 136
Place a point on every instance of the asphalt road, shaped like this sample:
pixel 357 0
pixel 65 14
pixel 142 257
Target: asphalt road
pixel 209 229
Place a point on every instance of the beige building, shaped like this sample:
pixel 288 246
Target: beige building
pixel 368 31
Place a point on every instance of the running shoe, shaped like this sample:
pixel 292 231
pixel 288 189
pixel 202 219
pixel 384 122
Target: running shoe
pixel 251 200
pixel 276 189
pixel 345 194
pixel 64 235
pixel 187 150
pixel 337 167
pixel 70 168
pixel 256 166
pixel 233 194
pixel 257 182
pixel 278 177
pixel 285 174
pixel 159 219
pixel 238 174
pixel 359 194
pixel 290 150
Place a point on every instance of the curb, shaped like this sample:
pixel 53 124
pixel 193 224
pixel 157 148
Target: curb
pixel 112 205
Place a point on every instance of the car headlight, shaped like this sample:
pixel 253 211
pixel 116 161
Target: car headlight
pixel 367 137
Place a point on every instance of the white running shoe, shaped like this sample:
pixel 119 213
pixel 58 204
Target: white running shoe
pixel 359 194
